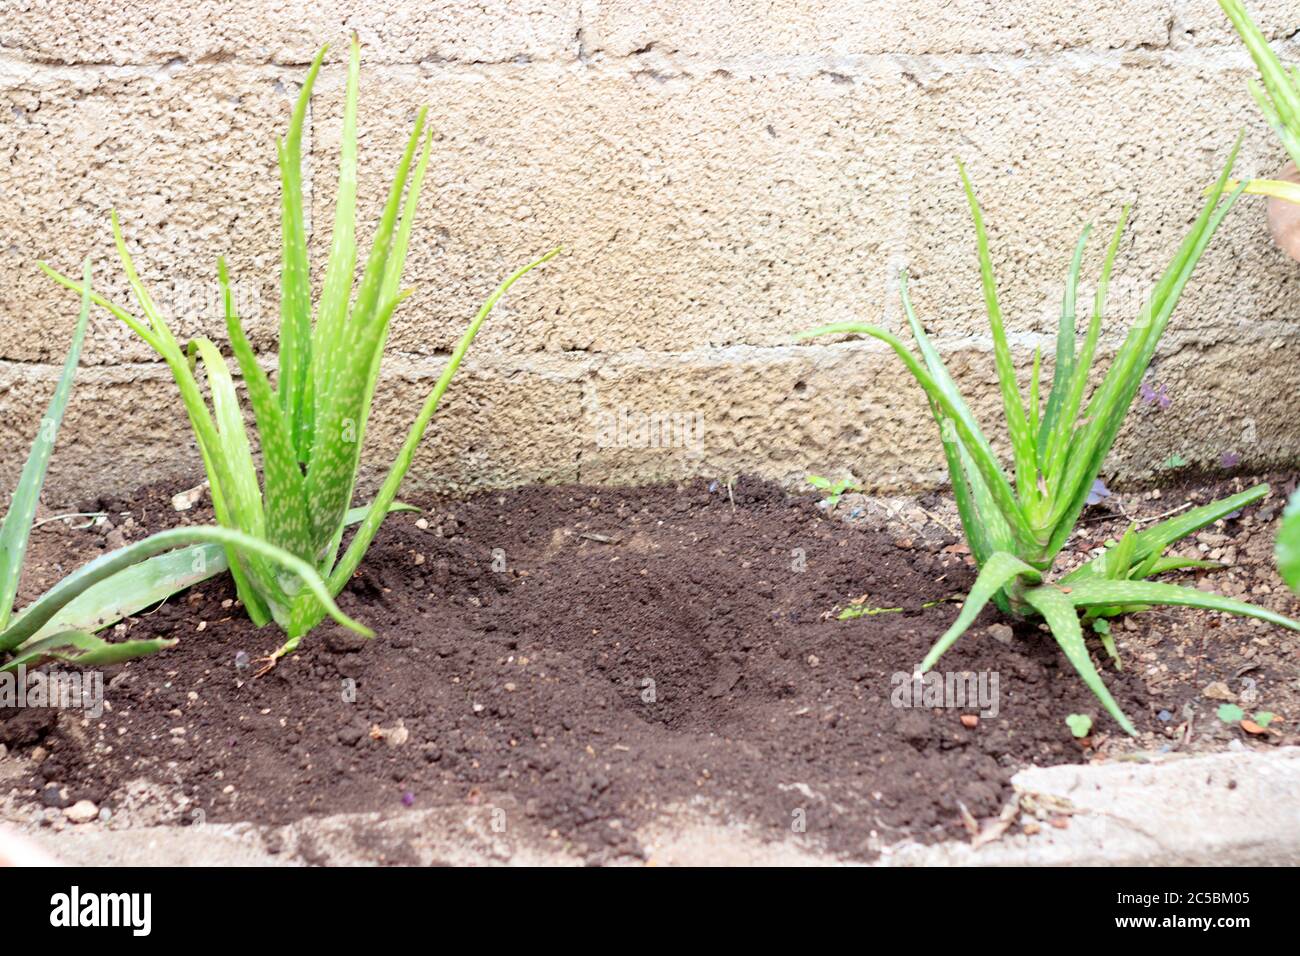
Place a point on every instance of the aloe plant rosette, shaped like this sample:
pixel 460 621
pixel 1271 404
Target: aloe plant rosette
pixel 1016 526
pixel 61 624
pixel 311 423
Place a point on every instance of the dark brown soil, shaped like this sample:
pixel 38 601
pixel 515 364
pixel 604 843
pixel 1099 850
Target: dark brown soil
pixel 594 657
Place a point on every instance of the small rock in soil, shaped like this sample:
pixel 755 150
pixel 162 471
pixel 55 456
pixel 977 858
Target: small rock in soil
pixel 83 811
pixel 1218 690
pixel 1001 633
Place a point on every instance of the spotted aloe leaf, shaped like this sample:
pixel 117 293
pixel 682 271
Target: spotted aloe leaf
pixel 1057 609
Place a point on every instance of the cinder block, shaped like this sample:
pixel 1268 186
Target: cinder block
pixel 1052 148
pixel 186 156
pixel 287 31
pixel 749 29
pixel 1203 22
pixel 851 409
pixel 782 413
pixel 694 212
pixel 498 425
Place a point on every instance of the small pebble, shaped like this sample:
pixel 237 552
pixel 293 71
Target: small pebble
pixel 1001 633
pixel 83 811
pixel 1218 690
pixel 242 661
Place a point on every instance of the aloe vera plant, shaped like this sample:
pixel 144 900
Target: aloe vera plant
pixel 60 625
pixel 1278 98
pixel 1016 527
pixel 311 425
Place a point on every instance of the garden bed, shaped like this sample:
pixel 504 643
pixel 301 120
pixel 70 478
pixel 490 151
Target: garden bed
pixel 590 659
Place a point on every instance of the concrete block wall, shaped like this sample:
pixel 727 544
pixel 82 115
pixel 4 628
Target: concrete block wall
pixel 723 174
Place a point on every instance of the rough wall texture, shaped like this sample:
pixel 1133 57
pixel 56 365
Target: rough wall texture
pixel 722 173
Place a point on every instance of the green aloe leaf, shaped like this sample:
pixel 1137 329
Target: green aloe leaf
pixel 221 471
pixel 1165 564
pixel 17 525
pixel 342 263
pixel 106 566
pixel 981 518
pixel 968 510
pixel 999 571
pixel 84 650
pixel 295 273
pixel 1022 441
pixel 139 328
pixel 1063 374
pixel 1120 559
pixel 240 497
pixel 1151 543
pixel 1063 621
pixel 336 452
pixel 1110 403
pixel 152 581
pixel 1102 629
pixel 287 523
pixel 135 588
pixel 1096 592
pixel 1066 421
pixel 1287 547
